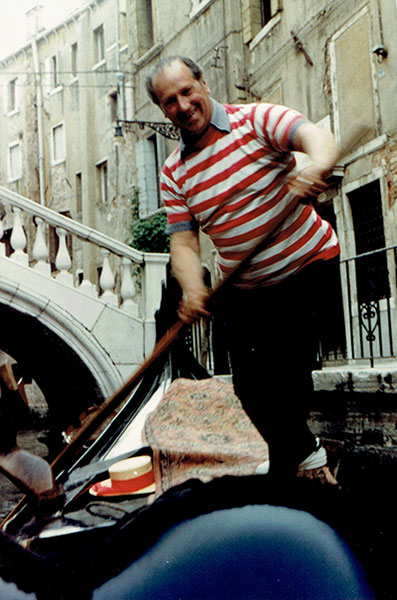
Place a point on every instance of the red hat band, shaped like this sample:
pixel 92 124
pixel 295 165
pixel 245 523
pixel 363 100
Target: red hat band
pixel 119 486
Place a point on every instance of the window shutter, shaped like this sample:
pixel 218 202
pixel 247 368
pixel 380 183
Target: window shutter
pixel 140 168
pixel 147 175
pixel 354 95
pixel 129 102
pixel 5 97
pixel 47 76
pixel 60 77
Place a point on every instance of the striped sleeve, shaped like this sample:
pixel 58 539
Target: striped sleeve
pixel 277 125
pixel 179 217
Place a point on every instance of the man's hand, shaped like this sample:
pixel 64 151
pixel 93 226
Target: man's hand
pixel 192 306
pixel 319 144
pixel 310 182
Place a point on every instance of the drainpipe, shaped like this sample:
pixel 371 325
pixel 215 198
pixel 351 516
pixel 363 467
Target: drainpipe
pixel 40 133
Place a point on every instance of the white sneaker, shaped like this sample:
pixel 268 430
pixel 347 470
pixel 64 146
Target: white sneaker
pixel 315 460
pixel 263 468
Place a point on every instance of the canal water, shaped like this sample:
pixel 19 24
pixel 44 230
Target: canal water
pixel 33 428
pixel 9 493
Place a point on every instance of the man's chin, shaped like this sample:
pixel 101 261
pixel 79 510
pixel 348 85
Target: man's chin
pixel 193 130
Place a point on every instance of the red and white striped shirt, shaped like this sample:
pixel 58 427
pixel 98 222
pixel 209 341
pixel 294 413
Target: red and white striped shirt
pixel 235 189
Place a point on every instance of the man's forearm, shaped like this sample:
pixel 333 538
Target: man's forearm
pixel 319 144
pixel 187 269
pixel 186 265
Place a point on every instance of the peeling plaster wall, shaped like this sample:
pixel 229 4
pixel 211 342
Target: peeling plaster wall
pixel 82 103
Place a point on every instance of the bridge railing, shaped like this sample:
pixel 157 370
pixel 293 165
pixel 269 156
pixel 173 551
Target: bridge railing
pixel 127 278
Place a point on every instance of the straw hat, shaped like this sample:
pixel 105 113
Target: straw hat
pixel 127 477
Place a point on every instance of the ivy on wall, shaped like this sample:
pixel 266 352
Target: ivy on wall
pixel 148 234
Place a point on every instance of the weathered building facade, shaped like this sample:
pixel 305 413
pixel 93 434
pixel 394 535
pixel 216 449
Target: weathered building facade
pixel 335 62
pixel 62 94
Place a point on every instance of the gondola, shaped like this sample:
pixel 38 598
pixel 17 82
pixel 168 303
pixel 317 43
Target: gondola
pixel 93 548
pixel 121 438
pixel 80 549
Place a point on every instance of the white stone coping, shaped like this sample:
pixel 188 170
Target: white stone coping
pixel 82 231
pixel 358 378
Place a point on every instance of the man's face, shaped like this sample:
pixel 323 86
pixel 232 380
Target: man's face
pixel 184 99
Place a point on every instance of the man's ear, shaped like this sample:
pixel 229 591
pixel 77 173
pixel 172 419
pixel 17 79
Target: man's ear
pixel 205 85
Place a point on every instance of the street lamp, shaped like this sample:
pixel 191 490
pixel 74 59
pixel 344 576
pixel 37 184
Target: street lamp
pixel 166 129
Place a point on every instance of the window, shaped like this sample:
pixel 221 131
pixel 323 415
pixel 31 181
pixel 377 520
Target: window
pixel 53 71
pixel 371 271
pixel 256 14
pixel 198 7
pixel 14 161
pixel 58 143
pixel 99 44
pixel 113 105
pixel 12 95
pixel 73 50
pixel 266 11
pixel 102 179
pixel 123 23
pixel 144 31
pixel 269 9
pixel 150 154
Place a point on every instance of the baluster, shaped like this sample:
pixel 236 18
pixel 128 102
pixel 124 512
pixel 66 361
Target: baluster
pixel 106 280
pixel 40 250
pixel 63 261
pixel 127 288
pixel 86 287
pixel 18 238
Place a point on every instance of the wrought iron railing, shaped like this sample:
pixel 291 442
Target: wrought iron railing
pixel 370 295
pixel 365 328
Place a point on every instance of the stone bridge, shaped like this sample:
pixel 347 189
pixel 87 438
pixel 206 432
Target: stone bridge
pixel 78 339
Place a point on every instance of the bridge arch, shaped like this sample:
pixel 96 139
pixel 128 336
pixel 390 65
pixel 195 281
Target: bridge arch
pixel 71 368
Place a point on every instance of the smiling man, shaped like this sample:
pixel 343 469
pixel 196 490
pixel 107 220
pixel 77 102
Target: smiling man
pixel 234 176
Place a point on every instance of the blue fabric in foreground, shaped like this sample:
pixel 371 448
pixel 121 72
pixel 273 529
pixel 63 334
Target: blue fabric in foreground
pixel 247 553
pixel 9 591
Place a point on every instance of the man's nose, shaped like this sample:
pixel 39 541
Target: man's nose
pixel 183 103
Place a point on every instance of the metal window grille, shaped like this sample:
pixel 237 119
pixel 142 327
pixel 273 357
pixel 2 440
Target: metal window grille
pixel 371 271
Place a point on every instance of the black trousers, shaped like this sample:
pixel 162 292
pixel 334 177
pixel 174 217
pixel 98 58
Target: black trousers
pixel 272 334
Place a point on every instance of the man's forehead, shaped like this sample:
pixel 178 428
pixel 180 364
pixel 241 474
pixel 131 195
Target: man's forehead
pixel 173 73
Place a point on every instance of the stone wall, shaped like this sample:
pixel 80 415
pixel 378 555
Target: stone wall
pixel 359 430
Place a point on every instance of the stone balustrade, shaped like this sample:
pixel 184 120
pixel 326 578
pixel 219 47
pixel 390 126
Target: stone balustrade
pixel 120 264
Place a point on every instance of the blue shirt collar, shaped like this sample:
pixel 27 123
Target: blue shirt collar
pixel 219 119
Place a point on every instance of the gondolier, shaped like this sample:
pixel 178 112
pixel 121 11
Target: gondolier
pixel 234 176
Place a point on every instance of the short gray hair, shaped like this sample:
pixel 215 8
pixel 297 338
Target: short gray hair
pixel 166 62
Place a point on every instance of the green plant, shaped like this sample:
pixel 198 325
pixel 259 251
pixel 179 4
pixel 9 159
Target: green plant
pixel 148 234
